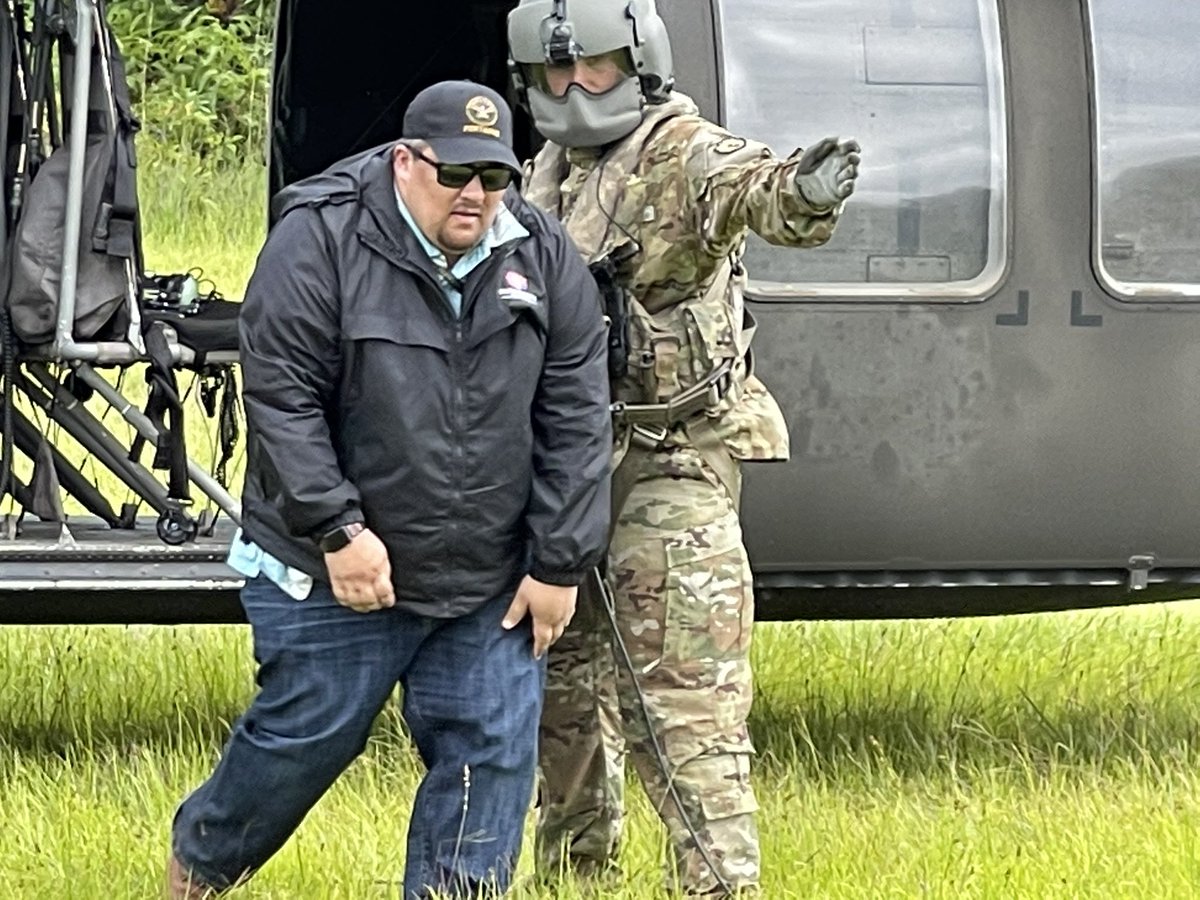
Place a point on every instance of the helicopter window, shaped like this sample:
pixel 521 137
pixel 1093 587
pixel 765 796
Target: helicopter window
pixel 1147 78
pixel 921 87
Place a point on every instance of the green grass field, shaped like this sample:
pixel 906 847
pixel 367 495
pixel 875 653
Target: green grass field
pixel 1031 757
pixel 1037 757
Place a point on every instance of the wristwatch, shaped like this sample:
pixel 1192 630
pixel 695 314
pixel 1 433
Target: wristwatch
pixel 334 540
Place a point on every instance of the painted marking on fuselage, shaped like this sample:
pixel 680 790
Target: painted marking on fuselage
pixel 1079 317
pixel 1021 316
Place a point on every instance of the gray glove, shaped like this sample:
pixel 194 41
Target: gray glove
pixel 826 173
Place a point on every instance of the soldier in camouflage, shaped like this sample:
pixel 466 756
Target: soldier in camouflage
pixel 639 177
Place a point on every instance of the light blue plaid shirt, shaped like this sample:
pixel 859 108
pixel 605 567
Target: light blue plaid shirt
pixel 504 228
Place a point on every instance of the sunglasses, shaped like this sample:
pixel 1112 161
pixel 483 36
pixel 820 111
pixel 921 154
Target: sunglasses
pixel 459 175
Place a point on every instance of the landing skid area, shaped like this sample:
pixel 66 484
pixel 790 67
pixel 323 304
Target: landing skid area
pixel 93 574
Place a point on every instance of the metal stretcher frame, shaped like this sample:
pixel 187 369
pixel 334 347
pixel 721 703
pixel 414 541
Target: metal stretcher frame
pixel 46 393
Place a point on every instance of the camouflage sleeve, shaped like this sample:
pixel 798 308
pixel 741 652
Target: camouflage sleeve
pixel 738 184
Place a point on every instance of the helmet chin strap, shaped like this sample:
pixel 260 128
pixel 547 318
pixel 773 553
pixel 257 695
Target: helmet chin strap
pixel 583 119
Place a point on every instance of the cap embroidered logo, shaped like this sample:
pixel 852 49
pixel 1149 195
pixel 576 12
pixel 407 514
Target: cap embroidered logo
pixel 482 116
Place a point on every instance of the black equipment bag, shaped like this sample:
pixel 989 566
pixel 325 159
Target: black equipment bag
pixel 110 240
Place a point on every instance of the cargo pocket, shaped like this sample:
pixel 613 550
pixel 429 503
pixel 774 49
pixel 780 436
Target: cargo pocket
pixel 709 606
pixel 728 792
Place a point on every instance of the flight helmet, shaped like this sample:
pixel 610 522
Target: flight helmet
pixel 543 34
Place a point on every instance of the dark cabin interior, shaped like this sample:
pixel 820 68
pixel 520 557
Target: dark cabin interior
pixel 344 74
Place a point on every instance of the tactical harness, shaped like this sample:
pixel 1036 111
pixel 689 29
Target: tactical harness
pixel 644 419
pixel 644 427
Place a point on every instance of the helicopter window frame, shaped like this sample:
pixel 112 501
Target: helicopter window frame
pixel 1114 71
pixel 998 221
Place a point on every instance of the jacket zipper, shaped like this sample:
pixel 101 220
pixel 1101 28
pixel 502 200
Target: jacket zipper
pixel 483 272
pixel 482 275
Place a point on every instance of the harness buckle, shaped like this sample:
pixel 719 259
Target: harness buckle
pixel 648 437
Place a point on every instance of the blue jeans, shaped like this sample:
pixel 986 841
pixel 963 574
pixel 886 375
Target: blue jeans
pixel 472 700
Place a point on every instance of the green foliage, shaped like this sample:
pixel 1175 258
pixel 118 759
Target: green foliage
pixel 199 76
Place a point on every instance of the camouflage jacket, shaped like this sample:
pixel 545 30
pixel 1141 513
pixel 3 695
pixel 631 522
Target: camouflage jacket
pixel 684 192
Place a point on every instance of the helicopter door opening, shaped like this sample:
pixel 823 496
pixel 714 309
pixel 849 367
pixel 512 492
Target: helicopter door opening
pixel 345 74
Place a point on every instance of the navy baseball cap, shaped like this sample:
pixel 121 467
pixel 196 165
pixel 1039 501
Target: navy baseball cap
pixel 463 122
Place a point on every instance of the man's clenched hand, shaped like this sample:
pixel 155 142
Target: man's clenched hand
pixel 550 606
pixel 361 574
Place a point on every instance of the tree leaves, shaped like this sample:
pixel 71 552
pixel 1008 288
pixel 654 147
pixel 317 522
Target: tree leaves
pixel 199 74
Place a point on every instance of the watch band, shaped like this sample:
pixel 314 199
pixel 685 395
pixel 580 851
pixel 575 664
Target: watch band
pixel 335 539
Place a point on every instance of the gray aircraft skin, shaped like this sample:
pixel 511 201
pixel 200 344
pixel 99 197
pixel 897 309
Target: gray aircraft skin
pixel 991 373
pixel 1021 437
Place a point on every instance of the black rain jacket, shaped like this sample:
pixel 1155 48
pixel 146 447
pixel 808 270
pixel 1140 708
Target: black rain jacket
pixel 477 448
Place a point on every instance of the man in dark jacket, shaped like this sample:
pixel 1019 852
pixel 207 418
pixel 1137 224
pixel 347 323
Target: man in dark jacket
pixel 427 400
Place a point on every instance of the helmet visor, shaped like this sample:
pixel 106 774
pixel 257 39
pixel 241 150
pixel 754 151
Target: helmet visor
pixel 596 74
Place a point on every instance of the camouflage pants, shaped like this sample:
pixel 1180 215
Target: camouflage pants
pixel 682 591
